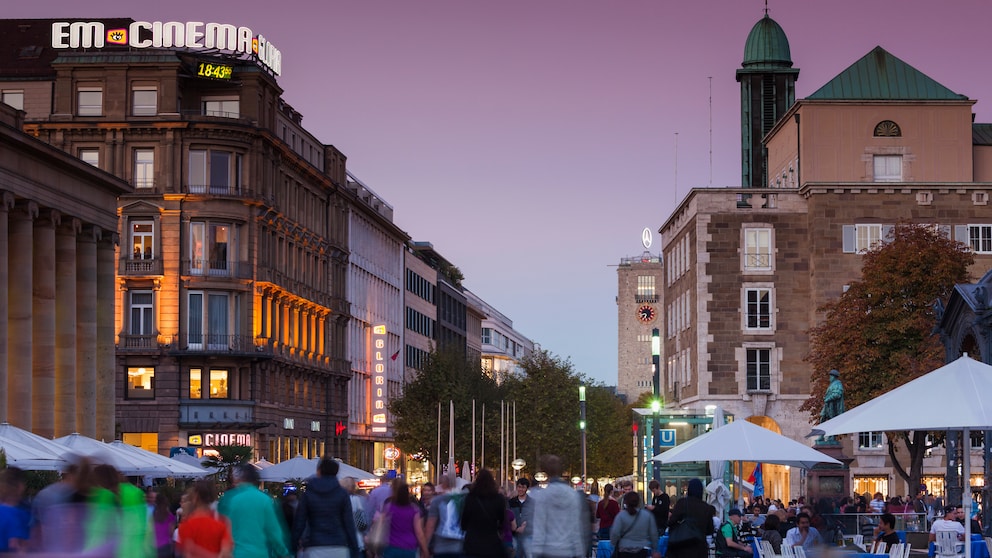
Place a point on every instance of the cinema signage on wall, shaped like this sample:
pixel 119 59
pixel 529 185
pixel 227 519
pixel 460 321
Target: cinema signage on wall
pixel 192 35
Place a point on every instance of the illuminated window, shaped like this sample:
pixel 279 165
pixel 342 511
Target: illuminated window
pixel 218 384
pixel 144 101
pixel 142 240
pixel 14 98
pixel 144 168
pixel 195 384
pixel 645 289
pixel 147 441
pixel 140 382
pixel 89 101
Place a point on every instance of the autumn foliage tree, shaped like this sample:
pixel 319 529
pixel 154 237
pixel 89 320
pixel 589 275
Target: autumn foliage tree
pixel 880 333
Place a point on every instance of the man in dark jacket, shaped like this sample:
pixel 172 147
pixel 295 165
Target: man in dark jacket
pixel 324 514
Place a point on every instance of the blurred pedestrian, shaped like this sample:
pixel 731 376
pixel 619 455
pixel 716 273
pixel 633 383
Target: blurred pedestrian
pixel 482 518
pixel 561 516
pixel 691 508
pixel 163 524
pixel 324 526
pixel 606 512
pixel 635 534
pixel 15 518
pixel 406 530
pixel 255 525
pixel 202 532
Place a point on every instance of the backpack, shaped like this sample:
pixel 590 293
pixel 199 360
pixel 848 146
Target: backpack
pixel 720 541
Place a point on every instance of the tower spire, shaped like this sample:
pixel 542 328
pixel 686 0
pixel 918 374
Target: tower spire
pixel 766 8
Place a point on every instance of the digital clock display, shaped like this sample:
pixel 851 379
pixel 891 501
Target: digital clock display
pixel 214 71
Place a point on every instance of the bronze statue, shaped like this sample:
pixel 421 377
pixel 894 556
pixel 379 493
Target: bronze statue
pixel 833 404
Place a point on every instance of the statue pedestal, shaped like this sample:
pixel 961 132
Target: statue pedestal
pixel 826 480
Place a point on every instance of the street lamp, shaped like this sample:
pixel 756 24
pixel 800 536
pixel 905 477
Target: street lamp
pixel 517 464
pixel 582 427
pixel 656 402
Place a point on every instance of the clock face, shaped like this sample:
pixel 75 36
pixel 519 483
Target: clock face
pixel 646 313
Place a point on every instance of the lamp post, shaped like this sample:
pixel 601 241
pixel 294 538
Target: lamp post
pixel 582 427
pixel 656 403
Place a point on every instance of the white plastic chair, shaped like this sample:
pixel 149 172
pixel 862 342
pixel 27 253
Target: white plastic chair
pixel 788 551
pixel 878 548
pixel 946 543
pixel 767 550
pixel 800 551
pixel 895 551
pixel 859 540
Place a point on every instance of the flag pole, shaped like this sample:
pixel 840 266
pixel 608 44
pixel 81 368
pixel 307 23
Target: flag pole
pixel 451 438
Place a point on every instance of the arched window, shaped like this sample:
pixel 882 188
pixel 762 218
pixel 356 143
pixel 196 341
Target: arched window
pixel 887 129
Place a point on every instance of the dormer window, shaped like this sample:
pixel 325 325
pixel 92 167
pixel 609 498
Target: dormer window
pixel 887 129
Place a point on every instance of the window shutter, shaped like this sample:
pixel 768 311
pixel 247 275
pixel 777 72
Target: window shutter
pixel 849 239
pixel 945 231
pixel 886 230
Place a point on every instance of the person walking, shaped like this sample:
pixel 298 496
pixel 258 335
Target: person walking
pixel 482 518
pixel 406 530
pixel 522 507
pixel 692 509
pixel 635 534
pixel 202 533
pixel 362 518
pixel 257 530
pixel 606 512
pixel 660 504
pixel 561 516
pixel 324 525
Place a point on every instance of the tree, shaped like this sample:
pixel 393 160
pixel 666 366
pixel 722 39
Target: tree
pixel 610 450
pixel 879 333
pixel 446 376
pixel 227 457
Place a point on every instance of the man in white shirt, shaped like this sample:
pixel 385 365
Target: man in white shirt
pixel 949 523
pixel 803 534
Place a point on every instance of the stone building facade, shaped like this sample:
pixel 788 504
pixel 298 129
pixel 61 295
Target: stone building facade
pixel 58 230
pixel 641 308
pixel 747 268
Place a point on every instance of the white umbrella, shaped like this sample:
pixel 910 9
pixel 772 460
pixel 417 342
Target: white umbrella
pixel 127 463
pixel 962 386
pixel 172 467
pixel 262 463
pixel 30 458
pixel 345 470
pixel 743 441
pixel 190 460
pixel 298 467
pixel 717 494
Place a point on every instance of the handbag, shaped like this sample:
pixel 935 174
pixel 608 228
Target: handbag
pixel 684 533
pixel 378 536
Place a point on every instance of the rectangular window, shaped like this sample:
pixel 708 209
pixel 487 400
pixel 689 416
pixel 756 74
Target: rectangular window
pixel 195 384
pixel 757 249
pixel 888 168
pixel 140 382
pixel 759 375
pixel 215 172
pixel 980 238
pixel 645 285
pixel 218 384
pixel 208 325
pixel 144 168
pixel 867 237
pixel 211 245
pixel 13 97
pixel 870 440
pixel 142 240
pixel 142 313
pixel 228 107
pixel 487 335
pixel 144 101
pixel 90 155
pixel 89 101
pixel 758 308
pixel 147 441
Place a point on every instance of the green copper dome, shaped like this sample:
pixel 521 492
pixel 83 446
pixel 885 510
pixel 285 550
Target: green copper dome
pixel 767 46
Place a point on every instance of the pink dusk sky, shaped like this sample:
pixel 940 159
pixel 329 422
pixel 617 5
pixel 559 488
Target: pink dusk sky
pixel 532 140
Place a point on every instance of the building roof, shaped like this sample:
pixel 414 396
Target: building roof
pixel 26 47
pixel 881 76
pixel 767 46
pixel 981 134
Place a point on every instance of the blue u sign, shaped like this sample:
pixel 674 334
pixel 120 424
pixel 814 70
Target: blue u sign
pixel 666 437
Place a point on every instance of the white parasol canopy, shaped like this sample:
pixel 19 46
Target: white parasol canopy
pixel 744 441
pixel 173 467
pixel 345 470
pixel 29 451
pixel 297 468
pixel 961 387
pixel 127 463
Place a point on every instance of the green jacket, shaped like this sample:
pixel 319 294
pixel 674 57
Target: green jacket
pixel 255 525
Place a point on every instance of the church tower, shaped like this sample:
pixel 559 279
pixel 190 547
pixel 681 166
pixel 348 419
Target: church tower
pixel 768 89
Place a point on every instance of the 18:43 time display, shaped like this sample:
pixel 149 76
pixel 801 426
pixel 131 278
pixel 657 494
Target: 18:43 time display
pixel 215 71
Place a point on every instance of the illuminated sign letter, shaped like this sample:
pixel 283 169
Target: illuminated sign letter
pixel 194 32
pixel 173 34
pixel 220 35
pixel 244 40
pixel 134 34
pixel 85 34
pixel 60 34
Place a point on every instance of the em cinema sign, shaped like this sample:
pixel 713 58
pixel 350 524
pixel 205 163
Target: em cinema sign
pixel 168 34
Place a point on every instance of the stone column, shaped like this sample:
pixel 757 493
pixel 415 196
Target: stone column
pixel 106 371
pixel 65 327
pixel 21 235
pixel 43 324
pixel 86 331
pixel 6 204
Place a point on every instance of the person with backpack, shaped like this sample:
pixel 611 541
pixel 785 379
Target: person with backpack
pixel 729 543
pixel 443 530
pixel 634 534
